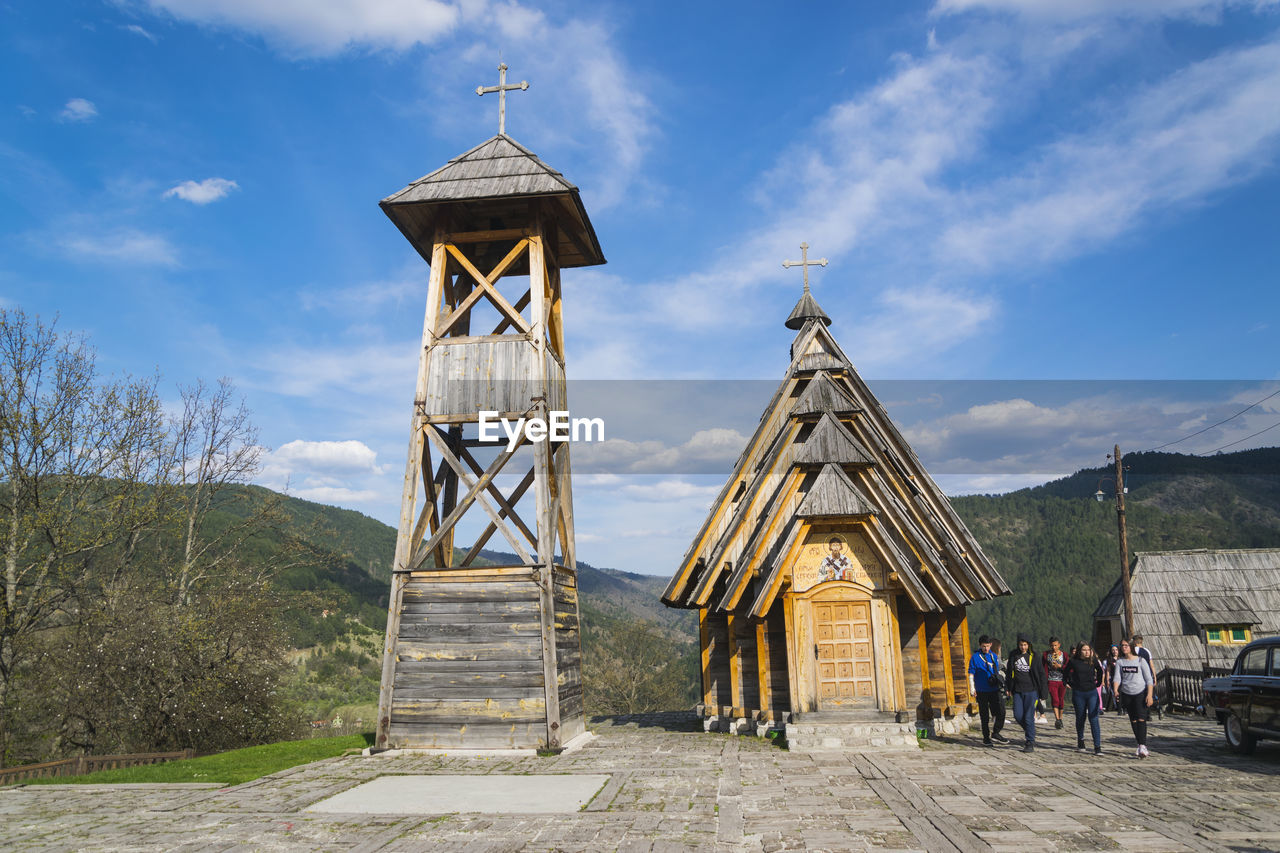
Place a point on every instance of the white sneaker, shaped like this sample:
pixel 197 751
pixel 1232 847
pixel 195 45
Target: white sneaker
pixel 1142 752
pixel 1137 753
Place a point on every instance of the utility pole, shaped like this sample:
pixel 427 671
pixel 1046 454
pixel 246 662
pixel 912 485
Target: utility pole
pixel 1124 546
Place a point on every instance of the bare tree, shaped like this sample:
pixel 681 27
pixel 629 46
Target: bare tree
pixel 78 462
pixel 215 445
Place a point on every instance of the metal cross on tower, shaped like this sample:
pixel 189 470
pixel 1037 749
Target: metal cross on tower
pixel 502 88
pixel 805 263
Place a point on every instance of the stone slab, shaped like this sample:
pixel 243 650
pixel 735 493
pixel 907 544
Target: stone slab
pixel 481 794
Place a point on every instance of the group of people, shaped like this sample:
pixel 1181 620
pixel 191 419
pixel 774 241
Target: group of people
pixel 1124 680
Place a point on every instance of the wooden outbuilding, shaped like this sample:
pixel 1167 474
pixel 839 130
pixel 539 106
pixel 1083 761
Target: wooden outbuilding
pixel 831 571
pixel 1195 609
pixel 487 656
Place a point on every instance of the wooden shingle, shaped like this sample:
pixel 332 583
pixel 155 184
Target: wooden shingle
pixel 831 443
pixel 834 494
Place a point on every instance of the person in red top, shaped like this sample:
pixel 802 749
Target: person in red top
pixel 1054 660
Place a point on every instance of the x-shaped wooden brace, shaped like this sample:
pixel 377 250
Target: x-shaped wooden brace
pixel 475 494
pixel 486 288
pixel 431 487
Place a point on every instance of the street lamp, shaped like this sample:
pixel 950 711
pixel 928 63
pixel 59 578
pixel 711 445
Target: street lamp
pixel 1121 491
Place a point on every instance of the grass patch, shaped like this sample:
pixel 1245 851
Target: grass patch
pixel 227 768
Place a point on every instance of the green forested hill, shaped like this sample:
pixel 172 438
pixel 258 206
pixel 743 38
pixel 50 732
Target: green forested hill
pixel 1055 545
pixel 1058 547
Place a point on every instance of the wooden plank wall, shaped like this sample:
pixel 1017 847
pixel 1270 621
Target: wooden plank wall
pixel 779 693
pixel 569 657
pixel 468 669
pixel 915 678
pixel 958 640
pixel 718 688
pixel 748 665
pixel 497 374
pixel 935 632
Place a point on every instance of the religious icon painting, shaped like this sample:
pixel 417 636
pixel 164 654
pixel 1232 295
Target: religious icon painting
pixel 831 555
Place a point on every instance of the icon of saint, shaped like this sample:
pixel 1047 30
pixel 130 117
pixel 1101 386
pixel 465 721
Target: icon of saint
pixel 836 566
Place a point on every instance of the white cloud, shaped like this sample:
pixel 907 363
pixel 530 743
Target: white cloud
pixel 324 27
pixel 78 110
pixel 991 484
pixel 708 450
pixel 202 192
pixel 1077 10
pixel 1200 130
pixel 590 98
pixel 408 288
pixel 331 457
pixel 374 370
pixel 337 495
pixel 667 491
pixel 139 31
pixel 124 245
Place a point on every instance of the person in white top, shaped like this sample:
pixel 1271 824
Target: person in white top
pixel 1135 688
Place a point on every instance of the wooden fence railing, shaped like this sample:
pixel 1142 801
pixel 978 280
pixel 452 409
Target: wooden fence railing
pixel 1183 689
pixel 81 764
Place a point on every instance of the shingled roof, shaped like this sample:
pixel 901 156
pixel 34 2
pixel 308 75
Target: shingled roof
pixel 1176 594
pixel 825 448
pixel 489 188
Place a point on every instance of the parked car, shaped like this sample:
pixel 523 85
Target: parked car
pixel 1247 702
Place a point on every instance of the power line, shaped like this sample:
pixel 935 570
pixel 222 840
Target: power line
pixel 1220 423
pixel 1246 438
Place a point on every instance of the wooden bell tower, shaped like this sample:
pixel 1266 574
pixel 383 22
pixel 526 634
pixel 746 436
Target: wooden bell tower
pixel 479 655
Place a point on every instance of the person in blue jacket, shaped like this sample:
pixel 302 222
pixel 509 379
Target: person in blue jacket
pixel 985 685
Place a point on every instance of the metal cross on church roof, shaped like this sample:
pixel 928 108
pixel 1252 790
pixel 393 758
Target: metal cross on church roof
pixel 805 263
pixel 502 88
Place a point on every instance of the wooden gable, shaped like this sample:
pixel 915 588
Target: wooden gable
pixel 868 474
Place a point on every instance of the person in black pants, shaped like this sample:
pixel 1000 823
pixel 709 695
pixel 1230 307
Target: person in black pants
pixel 985 687
pixel 1083 674
pixel 1025 678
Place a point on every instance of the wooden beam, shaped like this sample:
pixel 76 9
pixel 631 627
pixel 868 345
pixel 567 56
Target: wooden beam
pixel 472 495
pixel 492 528
pixel 764 659
pixel 542 484
pixel 475 493
pixel 793 651
pixel 735 665
pixel 508 508
pixel 408 500
pixel 490 236
pixel 499 301
pixel 704 637
pixel 505 323
pixel 463 311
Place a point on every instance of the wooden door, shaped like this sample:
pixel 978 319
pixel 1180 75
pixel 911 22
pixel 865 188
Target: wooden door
pixel 845 669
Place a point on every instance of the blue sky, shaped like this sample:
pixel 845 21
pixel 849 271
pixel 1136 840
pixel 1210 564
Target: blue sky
pixel 1011 194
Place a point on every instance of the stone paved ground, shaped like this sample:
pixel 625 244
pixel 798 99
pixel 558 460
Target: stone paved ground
pixel 685 790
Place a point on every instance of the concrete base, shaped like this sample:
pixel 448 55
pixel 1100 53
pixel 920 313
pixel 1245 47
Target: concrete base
pixel 491 794
pixel 860 731
pixel 956 725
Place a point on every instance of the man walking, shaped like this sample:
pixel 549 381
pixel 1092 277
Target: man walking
pixel 985 687
pixel 1026 679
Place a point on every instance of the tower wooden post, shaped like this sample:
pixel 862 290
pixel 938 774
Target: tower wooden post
pixel 480 655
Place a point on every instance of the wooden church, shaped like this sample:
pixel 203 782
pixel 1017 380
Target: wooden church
pixel 831 572
pixel 478 655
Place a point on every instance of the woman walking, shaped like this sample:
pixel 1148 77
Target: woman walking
pixel 1083 674
pixel 1135 688
pixel 1025 677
